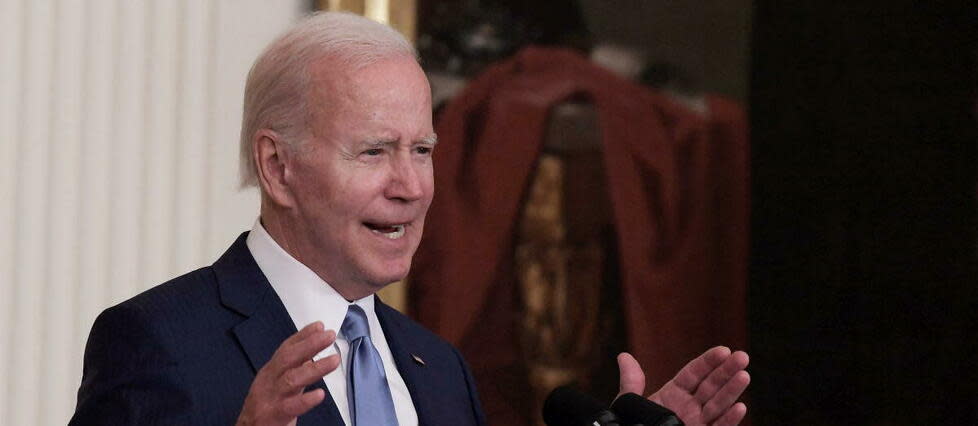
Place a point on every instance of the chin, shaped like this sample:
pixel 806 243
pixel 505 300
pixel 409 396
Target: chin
pixel 390 272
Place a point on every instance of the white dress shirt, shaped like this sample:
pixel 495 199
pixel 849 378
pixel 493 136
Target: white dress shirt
pixel 308 298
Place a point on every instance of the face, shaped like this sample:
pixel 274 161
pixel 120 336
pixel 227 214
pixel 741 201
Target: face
pixel 363 183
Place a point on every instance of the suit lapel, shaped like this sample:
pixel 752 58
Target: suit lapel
pixel 404 351
pixel 244 289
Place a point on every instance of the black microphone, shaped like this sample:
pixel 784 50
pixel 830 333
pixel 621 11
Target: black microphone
pixel 568 407
pixel 636 410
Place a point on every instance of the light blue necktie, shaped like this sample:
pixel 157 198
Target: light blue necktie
pixel 367 390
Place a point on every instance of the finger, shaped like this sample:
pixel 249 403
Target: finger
pixel 733 416
pixel 719 377
pixel 697 370
pixel 631 378
pixel 294 380
pixel 726 396
pixel 299 336
pixel 295 406
pixel 293 354
pixel 306 331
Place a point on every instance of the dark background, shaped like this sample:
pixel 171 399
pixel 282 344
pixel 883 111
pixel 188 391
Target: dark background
pixel 863 286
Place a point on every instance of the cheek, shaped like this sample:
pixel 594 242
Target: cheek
pixel 319 194
pixel 428 179
pixel 358 191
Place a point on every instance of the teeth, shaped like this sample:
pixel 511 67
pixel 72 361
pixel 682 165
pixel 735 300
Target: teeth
pixel 398 232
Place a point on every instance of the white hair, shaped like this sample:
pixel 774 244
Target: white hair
pixel 276 92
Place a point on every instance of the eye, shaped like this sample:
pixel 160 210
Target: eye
pixel 373 152
pixel 423 150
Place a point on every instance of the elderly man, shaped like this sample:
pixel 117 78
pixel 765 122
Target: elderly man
pixel 337 133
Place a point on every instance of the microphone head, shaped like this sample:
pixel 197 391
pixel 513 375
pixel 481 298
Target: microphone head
pixel 635 409
pixel 566 406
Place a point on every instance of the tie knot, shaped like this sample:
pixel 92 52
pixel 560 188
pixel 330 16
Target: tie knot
pixel 355 324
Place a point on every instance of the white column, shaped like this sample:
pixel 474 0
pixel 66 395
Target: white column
pixel 129 111
pixel 64 199
pixel 197 46
pixel 118 139
pixel 157 160
pixel 30 231
pixel 100 86
pixel 10 78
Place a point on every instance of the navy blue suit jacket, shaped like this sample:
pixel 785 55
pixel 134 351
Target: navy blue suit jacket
pixel 185 352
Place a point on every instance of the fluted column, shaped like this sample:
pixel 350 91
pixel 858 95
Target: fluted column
pixel 118 167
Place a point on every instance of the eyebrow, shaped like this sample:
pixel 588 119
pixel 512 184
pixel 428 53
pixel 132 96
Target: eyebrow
pixel 381 143
pixel 431 139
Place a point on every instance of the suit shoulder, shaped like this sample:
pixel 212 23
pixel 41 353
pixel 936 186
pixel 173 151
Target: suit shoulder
pixel 191 290
pixel 178 317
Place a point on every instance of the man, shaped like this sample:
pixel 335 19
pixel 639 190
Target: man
pixel 337 134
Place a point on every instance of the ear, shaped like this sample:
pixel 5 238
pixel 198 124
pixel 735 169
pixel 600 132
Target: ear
pixel 273 161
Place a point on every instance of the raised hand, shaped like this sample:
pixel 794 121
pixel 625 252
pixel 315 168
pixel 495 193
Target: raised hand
pixel 276 395
pixel 704 392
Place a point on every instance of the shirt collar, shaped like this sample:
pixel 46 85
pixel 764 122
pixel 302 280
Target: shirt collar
pixel 305 295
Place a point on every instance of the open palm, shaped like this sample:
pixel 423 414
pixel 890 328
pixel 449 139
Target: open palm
pixel 704 392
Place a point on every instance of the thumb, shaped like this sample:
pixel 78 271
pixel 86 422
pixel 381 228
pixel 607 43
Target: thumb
pixel 631 378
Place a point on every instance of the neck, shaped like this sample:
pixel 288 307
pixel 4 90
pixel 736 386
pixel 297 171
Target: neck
pixel 286 233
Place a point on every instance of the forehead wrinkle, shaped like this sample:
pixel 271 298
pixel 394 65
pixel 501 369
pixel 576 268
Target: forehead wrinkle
pixel 340 90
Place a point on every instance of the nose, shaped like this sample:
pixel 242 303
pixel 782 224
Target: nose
pixel 407 180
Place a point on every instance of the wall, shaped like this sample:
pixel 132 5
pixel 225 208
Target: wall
pixel 118 127
pixel 709 41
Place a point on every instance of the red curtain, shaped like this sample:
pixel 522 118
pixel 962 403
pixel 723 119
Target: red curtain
pixel 678 185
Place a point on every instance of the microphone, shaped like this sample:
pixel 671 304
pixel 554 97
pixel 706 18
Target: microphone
pixel 568 407
pixel 636 410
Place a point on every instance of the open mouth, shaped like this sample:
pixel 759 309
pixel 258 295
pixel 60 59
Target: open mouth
pixel 390 231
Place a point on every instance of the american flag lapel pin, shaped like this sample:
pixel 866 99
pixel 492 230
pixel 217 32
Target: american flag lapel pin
pixel 418 359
